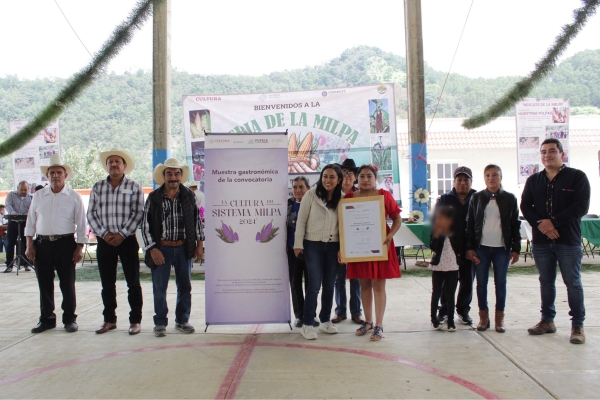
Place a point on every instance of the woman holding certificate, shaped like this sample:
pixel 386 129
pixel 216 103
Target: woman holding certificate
pixel 373 274
pixel 317 237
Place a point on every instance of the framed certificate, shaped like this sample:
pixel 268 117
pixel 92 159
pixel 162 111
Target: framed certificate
pixel 362 229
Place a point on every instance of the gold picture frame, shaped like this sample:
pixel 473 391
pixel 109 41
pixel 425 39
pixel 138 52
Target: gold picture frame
pixel 372 228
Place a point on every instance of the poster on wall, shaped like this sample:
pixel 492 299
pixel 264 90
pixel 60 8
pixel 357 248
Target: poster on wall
pixel 324 126
pixel 28 159
pixel 537 120
pixel 247 279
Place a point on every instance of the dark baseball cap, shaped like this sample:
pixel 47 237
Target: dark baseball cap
pixel 463 170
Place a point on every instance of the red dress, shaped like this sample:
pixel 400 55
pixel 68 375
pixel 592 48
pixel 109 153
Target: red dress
pixel 379 269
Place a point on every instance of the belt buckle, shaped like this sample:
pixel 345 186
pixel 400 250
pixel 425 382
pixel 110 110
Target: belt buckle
pixel 52 238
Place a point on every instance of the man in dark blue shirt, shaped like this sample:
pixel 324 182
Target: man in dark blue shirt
pixel 459 198
pixel 553 202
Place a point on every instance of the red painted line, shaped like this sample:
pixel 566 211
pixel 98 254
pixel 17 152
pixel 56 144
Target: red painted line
pixel 452 378
pixel 232 380
pixel 37 371
pixel 234 376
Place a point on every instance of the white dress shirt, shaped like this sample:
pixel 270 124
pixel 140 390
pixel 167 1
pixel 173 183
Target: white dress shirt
pixel 57 214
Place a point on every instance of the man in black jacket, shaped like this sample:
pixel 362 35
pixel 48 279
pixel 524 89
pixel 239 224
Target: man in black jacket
pixel 459 198
pixel 173 235
pixel 553 202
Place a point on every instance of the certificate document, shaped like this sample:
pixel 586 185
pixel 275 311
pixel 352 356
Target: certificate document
pixel 362 229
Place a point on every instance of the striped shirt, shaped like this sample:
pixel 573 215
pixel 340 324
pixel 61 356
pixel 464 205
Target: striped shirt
pixel 173 227
pixel 119 210
pixel 16 204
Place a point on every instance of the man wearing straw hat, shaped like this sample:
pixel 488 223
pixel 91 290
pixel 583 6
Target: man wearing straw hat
pixel 173 236
pixel 193 185
pixel 55 215
pixel 115 212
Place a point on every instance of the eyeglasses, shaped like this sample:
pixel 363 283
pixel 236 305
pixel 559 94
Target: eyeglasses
pixel 348 173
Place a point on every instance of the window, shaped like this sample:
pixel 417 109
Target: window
pixel 445 178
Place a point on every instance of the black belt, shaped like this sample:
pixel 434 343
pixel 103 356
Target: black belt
pixel 52 238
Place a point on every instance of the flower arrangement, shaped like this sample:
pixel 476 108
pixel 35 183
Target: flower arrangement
pixel 421 195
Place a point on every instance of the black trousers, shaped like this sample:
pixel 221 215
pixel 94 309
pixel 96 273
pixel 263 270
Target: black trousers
pixel 50 256
pixel 11 233
pixel 466 277
pixel 443 284
pixel 297 268
pixel 108 256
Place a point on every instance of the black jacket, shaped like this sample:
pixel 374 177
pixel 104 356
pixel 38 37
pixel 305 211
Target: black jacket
pixel 451 199
pixel 436 245
pixel 155 220
pixel 570 202
pixel 509 219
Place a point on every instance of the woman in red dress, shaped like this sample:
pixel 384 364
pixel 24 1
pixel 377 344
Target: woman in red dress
pixel 373 274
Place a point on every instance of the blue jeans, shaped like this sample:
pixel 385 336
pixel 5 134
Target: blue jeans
pixel 175 256
pixel 3 245
pixel 499 257
pixel 546 257
pixel 321 264
pixel 340 294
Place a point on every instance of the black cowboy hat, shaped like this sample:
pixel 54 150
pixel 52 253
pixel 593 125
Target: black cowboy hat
pixel 348 164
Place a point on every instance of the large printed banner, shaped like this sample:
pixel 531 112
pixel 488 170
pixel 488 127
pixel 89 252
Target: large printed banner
pixel 245 181
pixel 538 119
pixel 324 127
pixel 28 159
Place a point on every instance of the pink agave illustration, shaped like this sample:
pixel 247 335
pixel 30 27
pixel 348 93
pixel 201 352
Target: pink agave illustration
pixel 267 233
pixel 227 234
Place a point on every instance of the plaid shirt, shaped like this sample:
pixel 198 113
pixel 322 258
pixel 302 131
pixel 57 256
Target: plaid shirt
pixel 118 210
pixel 173 227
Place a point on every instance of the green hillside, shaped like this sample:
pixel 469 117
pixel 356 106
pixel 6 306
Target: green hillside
pixel 119 113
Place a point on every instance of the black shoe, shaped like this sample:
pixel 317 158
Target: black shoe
pixel 436 324
pixel 442 318
pixel 41 327
pixel 7 270
pixel 451 326
pixel 317 322
pixel 298 323
pixel 71 327
pixel 464 318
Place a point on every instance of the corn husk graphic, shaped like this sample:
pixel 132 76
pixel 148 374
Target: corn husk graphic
pixel 267 233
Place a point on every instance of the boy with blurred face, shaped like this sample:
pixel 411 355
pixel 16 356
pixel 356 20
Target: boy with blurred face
pixel 553 202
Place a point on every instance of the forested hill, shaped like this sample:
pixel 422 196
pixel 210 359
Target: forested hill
pixel 118 112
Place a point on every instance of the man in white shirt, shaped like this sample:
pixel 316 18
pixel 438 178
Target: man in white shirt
pixel 56 213
pixel 193 185
pixel 17 202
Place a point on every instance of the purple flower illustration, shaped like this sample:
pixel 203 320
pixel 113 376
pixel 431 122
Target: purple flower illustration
pixel 227 234
pixel 267 233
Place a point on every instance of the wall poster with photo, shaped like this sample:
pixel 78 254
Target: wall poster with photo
pixel 28 159
pixel 538 120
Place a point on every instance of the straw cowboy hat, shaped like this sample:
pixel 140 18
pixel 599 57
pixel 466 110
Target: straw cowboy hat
pixel 171 163
pixel 55 161
pixel 124 154
pixel 192 184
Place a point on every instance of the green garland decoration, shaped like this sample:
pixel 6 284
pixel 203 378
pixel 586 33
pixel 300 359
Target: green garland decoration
pixel 76 85
pixel 522 88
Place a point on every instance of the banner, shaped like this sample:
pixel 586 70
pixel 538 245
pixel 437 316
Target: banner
pixel 247 279
pixel 537 120
pixel 28 159
pixel 324 127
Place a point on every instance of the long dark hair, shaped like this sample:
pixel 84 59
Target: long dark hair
pixel 492 166
pixel 336 196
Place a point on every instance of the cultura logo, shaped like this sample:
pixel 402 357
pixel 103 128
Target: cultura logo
pixel 382 89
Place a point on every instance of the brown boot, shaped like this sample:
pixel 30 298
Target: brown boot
pixel 484 320
pixel 542 327
pixel 577 335
pixel 500 322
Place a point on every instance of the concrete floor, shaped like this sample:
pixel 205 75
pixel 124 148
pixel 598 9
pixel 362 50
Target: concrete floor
pixel 270 361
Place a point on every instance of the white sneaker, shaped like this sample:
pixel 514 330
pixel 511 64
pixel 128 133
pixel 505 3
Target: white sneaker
pixel 308 332
pixel 328 327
